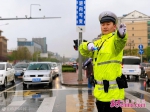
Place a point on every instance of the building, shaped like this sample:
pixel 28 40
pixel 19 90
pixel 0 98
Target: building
pixel 42 42
pixel 138 28
pixel 50 53
pixel 3 47
pixel 32 46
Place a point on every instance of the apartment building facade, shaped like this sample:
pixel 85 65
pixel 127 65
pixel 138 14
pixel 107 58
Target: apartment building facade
pixel 138 28
pixel 3 47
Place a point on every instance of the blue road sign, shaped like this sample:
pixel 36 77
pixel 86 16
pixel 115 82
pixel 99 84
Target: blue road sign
pixel 80 12
pixel 141 51
pixel 140 46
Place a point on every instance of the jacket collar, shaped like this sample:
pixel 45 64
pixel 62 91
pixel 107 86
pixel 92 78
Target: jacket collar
pixel 107 35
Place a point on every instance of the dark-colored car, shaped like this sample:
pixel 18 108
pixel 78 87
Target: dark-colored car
pixel 19 68
pixel 143 72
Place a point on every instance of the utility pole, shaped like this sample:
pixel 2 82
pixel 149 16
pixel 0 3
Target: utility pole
pixel 80 26
pixel 130 47
pixel 80 59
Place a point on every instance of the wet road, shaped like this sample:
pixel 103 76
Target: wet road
pixel 58 98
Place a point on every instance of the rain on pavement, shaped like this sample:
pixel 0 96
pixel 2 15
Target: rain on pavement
pixel 64 99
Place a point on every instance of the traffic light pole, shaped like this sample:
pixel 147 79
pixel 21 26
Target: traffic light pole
pixel 80 60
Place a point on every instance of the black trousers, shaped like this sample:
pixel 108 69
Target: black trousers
pixel 105 107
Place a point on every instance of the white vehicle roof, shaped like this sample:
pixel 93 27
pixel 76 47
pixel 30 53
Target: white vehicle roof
pixel 135 57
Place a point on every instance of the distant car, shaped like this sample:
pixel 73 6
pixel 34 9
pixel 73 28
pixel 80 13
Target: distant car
pixel 147 71
pixel 55 69
pixel 75 65
pixel 6 74
pixel 143 73
pixel 19 68
pixel 143 67
pixel 38 73
pixel 131 66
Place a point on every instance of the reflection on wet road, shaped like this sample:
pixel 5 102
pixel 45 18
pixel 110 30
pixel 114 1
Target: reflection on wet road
pixel 59 98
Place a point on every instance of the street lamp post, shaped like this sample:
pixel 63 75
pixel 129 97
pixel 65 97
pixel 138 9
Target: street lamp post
pixel 31 8
pixel 140 44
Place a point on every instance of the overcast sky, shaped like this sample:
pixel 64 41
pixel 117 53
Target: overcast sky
pixel 60 33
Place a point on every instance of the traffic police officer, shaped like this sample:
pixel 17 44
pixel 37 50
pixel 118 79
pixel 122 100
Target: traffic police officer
pixel 107 55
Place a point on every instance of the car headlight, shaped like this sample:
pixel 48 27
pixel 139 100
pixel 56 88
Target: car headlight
pixel 1 75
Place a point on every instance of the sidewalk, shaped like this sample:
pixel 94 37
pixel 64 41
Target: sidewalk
pixel 71 79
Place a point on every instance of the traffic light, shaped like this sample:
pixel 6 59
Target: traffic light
pixel 76 44
pixel 84 40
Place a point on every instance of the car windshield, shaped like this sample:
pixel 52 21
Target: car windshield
pixel 131 61
pixel 54 65
pixel 21 65
pixel 2 66
pixel 38 66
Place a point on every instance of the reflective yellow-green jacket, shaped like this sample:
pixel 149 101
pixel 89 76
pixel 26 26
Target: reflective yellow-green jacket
pixel 106 64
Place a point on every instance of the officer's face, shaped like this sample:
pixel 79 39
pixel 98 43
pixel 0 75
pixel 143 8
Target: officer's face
pixel 108 27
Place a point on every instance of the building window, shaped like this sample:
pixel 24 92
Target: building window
pixel 149 36
pixel 132 21
pixel 132 34
pixel 25 43
pixel 132 28
pixel 148 29
pixel 132 15
pixel 148 23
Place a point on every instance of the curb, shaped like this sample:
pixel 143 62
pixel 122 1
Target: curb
pixel 66 84
pixel 74 84
pixel 62 82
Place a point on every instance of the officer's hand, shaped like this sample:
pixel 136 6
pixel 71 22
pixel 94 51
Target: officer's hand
pixel 91 47
pixel 122 30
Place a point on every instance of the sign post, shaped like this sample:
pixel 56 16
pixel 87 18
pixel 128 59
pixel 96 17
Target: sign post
pixel 80 27
pixel 141 51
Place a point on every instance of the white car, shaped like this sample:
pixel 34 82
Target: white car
pixel 38 73
pixel 6 74
pixel 131 66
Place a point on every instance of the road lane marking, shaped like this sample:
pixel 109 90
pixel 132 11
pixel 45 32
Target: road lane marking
pixel 129 96
pixel 47 105
pixel 53 89
pixel 13 106
pixel 10 87
pixel 140 91
pixel 30 93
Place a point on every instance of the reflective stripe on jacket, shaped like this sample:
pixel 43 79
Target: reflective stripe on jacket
pixel 107 64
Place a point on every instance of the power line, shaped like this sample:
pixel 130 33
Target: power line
pixel 29 18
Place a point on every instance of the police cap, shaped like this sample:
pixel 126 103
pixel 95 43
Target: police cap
pixel 108 16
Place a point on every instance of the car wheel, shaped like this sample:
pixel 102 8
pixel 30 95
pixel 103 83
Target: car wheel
pixel 24 85
pixel 147 80
pixel 13 81
pixel 5 95
pixel 137 77
pixel 128 77
pixel 5 83
pixel 50 84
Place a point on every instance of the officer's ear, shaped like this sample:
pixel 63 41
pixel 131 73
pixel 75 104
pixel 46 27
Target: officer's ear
pixel 115 26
